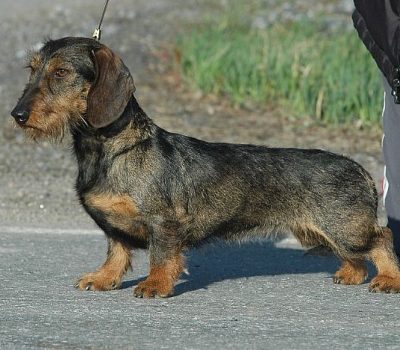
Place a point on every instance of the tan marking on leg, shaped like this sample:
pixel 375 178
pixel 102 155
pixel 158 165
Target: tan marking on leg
pixel 109 276
pixel 385 259
pixel 161 279
pixel 351 272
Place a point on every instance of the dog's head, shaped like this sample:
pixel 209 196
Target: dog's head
pixel 73 81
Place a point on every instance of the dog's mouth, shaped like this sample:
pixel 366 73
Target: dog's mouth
pixel 32 131
pixel 21 123
pixel 28 126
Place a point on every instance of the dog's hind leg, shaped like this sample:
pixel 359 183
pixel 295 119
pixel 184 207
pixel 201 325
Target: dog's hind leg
pixel 385 259
pixel 377 245
pixel 353 269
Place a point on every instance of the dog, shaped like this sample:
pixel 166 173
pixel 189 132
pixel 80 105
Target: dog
pixel 147 188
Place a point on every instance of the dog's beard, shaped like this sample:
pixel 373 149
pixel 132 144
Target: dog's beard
pixel 54 128
pixel 52 118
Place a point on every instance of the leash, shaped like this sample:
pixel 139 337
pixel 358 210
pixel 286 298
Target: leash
pixel 97 32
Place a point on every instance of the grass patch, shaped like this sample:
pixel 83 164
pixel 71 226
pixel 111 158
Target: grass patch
pixel 326 75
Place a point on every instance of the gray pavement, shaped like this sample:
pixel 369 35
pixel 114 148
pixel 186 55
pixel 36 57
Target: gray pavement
pixel 252 296
pixel 255 296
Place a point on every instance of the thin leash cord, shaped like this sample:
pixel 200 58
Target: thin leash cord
pixel 97 32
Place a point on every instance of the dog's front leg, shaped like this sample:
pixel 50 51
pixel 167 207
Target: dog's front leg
pixel 108 276
pixel 166 264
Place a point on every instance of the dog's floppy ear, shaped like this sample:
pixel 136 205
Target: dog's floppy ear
pixel 111 90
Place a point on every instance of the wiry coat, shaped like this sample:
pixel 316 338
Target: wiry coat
pixel 148 188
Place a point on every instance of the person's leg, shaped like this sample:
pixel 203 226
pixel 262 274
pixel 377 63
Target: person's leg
pixel 391 154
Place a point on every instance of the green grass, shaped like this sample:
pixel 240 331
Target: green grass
pixel 326 75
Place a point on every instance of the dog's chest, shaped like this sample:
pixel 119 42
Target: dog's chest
pixel 117 210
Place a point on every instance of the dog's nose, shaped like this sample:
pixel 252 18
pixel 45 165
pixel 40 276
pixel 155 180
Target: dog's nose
pixel 20 115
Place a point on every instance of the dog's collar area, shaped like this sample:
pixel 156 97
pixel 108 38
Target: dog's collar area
pixel 132 114
pixel 122 122
pixel 117 126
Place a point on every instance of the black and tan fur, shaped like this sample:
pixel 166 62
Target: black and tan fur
pixel 148 188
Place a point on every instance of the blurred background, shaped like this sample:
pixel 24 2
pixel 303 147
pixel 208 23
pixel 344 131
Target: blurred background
pixel 271 72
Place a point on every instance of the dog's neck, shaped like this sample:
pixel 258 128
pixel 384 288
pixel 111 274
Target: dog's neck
pixel 96 148
pixel 133 117
pixel 131 128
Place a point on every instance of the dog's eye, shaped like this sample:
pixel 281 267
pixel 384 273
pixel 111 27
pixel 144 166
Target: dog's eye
pixel 60 73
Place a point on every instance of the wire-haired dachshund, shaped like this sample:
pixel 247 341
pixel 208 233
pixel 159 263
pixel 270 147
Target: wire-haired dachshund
pixel 152 189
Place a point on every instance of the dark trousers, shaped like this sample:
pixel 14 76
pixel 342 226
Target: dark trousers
pixel 391 154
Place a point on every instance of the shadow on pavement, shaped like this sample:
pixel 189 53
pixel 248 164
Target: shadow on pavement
pixel 223 261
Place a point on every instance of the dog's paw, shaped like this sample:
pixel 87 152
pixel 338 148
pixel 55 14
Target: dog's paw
pixel 153 289
pixel 349 279
pixel 97 281
pixel 351 273
pixel 385 284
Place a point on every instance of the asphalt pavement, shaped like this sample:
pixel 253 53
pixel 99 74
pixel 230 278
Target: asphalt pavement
pixel 253 296
pixel 257 295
